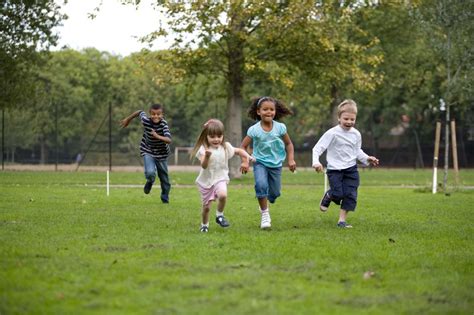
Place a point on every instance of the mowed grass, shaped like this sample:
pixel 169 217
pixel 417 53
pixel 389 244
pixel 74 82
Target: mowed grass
pixel 68 248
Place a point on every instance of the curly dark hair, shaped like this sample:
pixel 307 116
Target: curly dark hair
pixel 281 109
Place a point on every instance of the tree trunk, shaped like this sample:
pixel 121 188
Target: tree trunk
pixel 336 100
pixel 43 151
pixel 235 82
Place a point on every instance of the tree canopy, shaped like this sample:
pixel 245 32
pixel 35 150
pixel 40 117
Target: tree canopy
pixel 26 29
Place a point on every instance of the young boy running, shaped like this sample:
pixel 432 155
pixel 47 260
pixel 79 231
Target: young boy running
pixel 154 148
pixel 343 144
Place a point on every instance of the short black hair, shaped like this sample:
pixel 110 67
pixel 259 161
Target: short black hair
pixel 156 106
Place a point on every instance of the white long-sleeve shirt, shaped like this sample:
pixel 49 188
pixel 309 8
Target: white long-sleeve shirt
pixel 343 148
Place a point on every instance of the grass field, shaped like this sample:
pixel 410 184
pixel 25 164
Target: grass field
pixel 67 248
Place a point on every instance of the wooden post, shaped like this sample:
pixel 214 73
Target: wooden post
pixel 455 152
pixel 435 157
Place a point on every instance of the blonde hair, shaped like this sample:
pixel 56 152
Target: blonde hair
pixel 347 106
pixel 213 127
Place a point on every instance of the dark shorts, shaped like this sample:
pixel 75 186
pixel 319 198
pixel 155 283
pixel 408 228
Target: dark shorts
pixel 343 187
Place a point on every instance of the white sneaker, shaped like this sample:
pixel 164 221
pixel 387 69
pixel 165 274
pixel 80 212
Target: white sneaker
pixel 266 222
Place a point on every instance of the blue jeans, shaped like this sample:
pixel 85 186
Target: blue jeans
pixel 154 166
pixel 343 187
pixel 267 181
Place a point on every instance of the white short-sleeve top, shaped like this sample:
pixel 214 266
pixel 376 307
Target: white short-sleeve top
pixel 218 167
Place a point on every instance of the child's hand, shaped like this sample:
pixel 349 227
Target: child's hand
pixel 244 167
pixel 373 160
pixel 124 123
pixel 318 167
pixel 292 165
pixel 208 153
pixel 154 134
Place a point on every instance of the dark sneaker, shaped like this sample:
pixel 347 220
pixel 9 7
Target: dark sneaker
pixel 204 229
pixel 325 201
pixel 147 187
pixel 164 200
pixel 222 221
pixel 344 225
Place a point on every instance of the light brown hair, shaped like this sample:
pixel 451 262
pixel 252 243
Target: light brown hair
pixel 347 106
pixel 213 127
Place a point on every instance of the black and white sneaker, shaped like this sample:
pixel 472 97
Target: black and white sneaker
pixel 222 221
pixel 344 225
pixel 204 229
pixel 325 202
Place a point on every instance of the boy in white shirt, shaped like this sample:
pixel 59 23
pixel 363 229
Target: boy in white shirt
pixel 343 144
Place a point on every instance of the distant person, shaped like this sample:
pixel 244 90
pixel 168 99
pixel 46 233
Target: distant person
pixel 154 148
pixel 214 153
pixel 343 144
pixel 271 145
pixel 78 158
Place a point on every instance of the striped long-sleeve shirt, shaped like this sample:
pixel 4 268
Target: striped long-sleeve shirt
pixel 150 145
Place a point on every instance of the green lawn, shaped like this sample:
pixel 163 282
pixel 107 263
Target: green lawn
pixel 68 248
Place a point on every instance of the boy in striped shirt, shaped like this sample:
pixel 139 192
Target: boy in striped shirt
pixel 154 147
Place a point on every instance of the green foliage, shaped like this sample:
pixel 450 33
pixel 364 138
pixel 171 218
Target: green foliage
pixel 392 57
pixel 418 68
pixel 67 248
pixel 26 27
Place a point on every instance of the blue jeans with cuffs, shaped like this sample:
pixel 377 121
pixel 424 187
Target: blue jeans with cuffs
pixel 267 181
pixel 154 166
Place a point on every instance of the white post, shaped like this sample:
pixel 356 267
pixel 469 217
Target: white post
pixel 435 156
pixel 325 182
pixel 108 183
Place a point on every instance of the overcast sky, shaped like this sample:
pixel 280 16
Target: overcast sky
pixel 115 29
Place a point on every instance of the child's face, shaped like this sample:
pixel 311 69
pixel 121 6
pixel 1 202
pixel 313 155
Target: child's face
pixel 266 111
pixel 347 120
pixel 215 141
pixel 156 115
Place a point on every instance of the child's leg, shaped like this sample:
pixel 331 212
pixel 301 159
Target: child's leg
pixel 350 185
pixel 221 194
pixel 263 203
pixel 150 171
pixel 343 215
pixel 205 215
pixel 260 173
pixel 261 191
pixel 162 170
pixel 150 168
pixel 336 191
pixel 221 191
pixel 274 183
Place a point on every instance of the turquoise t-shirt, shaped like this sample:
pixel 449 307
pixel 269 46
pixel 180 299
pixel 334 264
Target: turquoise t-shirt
pixel 268 147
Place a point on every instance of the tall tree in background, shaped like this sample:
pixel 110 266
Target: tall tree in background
pixel 26 28
pixel 237 39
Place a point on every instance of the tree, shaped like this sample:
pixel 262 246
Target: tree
pixel 238 39
pixel 26 29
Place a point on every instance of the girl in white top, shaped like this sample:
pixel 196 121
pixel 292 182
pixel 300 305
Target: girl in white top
pixel 214 153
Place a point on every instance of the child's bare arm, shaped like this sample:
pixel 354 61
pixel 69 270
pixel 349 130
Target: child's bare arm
pixel 246 158
pixel 245 143
pixel 124 122
pixel 244 147
pixel 162 138
pixel 290 152
pixel 205 159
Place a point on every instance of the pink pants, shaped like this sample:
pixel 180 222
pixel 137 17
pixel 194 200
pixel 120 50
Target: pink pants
pixel 210 194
